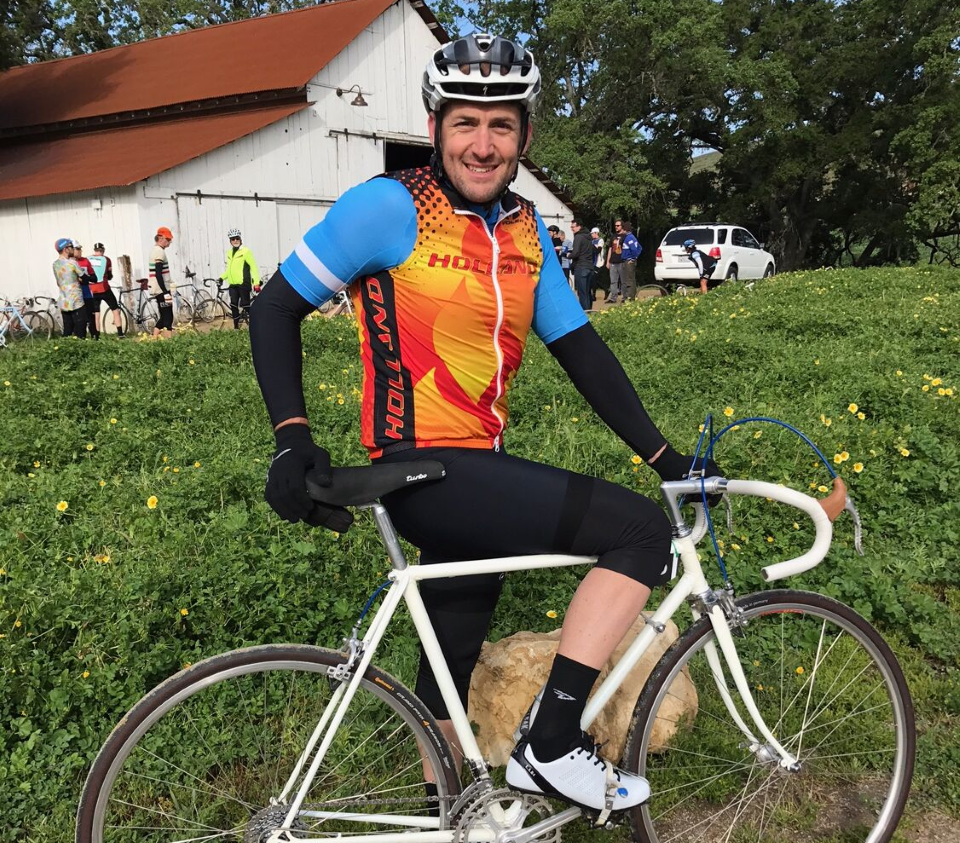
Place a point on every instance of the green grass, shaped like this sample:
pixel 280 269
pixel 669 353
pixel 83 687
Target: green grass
pixel 100 602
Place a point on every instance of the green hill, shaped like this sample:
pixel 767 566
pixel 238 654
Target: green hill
pixel 105 596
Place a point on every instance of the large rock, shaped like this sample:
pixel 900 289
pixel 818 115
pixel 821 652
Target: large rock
pixel 510 673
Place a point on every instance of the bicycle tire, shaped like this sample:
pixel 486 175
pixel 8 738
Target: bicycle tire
pixel 202 306
pixel 39 323
pixel 149 315
pixel 704 778
pixel 185 311
pixel 205 751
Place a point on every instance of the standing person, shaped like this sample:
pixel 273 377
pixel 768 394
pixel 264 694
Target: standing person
pixel 556 239
pixel 87 276
pixel 630 252
pixel 565 249
pixel 704 263
pixel 437 369
pixel 241 274
pixel 598 261
pixel 102 292
pixel 69 294
pixel 160 287
pixel 581 261
pixel 615 263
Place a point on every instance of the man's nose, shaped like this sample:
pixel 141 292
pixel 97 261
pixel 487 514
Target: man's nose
pixel 483 142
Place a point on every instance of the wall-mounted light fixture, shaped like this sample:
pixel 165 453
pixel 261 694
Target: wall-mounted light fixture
pixel 357 100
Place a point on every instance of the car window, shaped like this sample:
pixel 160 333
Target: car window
pixel 702 236
pixel 721 236
pixel 737 237
pixel 750 241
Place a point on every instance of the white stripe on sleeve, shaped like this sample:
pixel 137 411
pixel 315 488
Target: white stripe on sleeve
pixel 317 268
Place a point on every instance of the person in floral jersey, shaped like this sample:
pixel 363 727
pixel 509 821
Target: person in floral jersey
pixel 69 294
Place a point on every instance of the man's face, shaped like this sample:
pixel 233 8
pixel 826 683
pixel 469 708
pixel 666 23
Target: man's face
pixel 481 147
pixel 235 241
pixel 164 241
pixel 574 227
pixel 618 227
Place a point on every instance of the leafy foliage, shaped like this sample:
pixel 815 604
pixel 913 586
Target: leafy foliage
pixel 165 553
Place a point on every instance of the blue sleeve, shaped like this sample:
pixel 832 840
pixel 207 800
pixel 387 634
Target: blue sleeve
pixel 556 310
pixel 346 244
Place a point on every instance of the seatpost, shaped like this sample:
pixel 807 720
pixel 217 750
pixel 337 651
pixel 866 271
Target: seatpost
pixel 389 536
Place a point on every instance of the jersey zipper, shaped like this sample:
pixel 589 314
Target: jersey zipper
pixel 499 323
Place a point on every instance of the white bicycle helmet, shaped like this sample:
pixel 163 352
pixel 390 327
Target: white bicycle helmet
pixel 481 68
pixel 233 232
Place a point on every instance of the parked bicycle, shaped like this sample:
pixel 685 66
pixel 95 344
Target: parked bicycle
pixel 142 312
pixel 20 320
pixel 781 715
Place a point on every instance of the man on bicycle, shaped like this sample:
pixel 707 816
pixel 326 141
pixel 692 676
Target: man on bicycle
pixel 460 271
pixel 704 263
pixel 241 274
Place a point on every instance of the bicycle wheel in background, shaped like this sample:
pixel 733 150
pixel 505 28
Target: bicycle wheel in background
pixel 201 756
pixel 213 309
pixel 149 315
pixel 832 693
pixel 184 311
pixel 107 325
pixel 40 323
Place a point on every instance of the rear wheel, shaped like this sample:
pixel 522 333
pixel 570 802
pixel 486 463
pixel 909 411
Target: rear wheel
pixel 831 691
pixel 731 273
pixel 40 323
pixel 149 315
pixel 205 754
pixel 769 271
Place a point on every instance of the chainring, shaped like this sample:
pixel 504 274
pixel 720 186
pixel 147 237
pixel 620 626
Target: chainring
pixel 505 812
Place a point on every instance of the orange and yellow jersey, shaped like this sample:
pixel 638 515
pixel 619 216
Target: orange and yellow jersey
pixel 445 296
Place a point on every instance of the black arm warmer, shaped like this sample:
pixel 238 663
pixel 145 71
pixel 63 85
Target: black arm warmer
pixel 599 377
pixel 275 318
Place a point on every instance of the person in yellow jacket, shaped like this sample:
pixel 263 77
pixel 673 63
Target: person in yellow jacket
pixel 241 274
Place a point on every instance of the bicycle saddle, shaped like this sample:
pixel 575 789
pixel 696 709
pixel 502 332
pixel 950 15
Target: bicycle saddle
pixel 358 485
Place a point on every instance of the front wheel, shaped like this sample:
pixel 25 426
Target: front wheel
pixel 731 273
pixel 769 271
pixel 832 693
pixel 205 754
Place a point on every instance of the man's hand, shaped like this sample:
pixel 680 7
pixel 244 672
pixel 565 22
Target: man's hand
pixel 286 490
pixel 672 465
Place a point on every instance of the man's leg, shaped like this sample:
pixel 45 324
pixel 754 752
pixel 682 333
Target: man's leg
pixel 245 300
pixel 629 280
pixel 234 305
pixel 582 277
pixel 491 504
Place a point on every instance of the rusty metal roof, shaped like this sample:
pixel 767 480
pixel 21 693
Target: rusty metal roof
pixel 122 156
pixel 270 53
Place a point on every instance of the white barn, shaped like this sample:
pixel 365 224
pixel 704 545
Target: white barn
pixel 255 124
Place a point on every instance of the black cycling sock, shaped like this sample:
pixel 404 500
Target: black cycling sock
pixel 556 726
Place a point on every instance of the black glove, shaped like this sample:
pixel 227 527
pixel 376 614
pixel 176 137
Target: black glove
pixel 286 490
pixel 672 465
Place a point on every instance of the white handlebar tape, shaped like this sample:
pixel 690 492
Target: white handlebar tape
pixel 821 543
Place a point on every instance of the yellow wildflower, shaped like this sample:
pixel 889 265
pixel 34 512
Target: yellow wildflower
pixel 152 502
pixel 31 474
pixel 925 387
pixel 757 434
pixel 936 382
pixel 948 391
pixel 102 483
pixel 770 539
pixel 822 489
pixel 62 506
pixel 176 471
pixel 113 421
pixel 85 674
pixel 899 373
pixel 193 362
pixel 904 452
pixel 184 612
pixel 800 671
pixel 837 458
pixel 941 391
pixel 18 623
pixel 6 383
pixel 735 546
pixel 853 408
pixel 36 463
pixel 551 614
pixel 90 446
pixel 816 362
pixel 728 411
pixel 196 464
pixel 861 415
pixel 858 467
pixel 636 460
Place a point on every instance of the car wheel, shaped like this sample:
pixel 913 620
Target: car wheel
pixel 731 273
pixel 768 272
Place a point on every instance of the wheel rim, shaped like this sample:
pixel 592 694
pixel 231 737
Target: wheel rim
pixel 204 765
pixel 830 698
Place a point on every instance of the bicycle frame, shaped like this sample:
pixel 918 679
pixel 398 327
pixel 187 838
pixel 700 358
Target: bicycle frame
pixel 691 586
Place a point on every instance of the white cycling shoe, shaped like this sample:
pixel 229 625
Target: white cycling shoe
pixel 579 776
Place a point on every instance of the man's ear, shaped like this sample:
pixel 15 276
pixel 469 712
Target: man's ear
pixel 432 127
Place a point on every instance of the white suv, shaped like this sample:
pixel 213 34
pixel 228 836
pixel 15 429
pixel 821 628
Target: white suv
pixel 737 251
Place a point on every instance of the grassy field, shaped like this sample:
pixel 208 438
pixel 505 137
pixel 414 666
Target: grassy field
pixel 134 538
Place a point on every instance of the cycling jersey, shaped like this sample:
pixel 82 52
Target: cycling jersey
pixel 445 299
pixel 703 262
pixel 241 267
pixel 103 268
pixel 159 271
